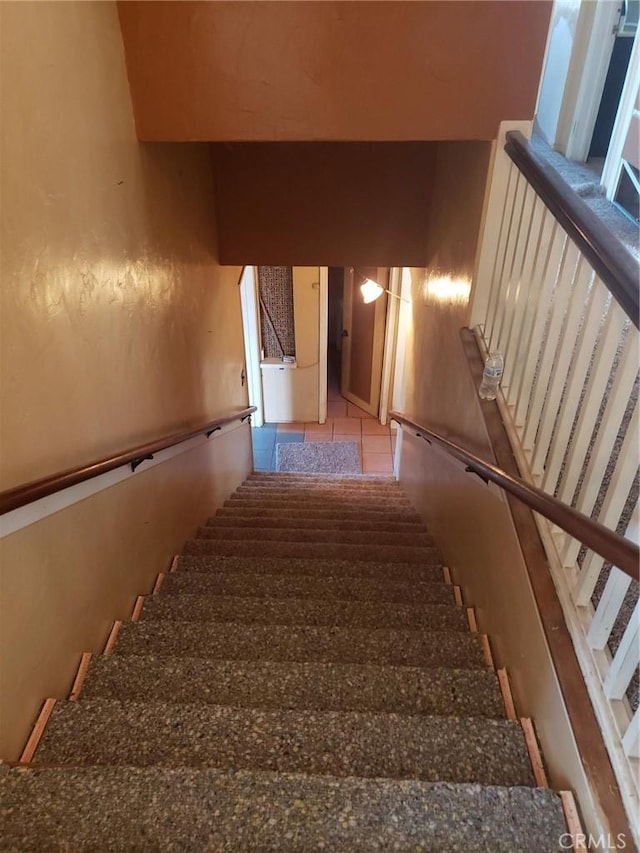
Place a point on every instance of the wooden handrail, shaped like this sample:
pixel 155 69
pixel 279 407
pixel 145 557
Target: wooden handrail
pixel 616 549
pixel 27 493
pixel 610 258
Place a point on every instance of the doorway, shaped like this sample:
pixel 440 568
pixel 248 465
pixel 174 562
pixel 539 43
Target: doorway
pixel 350 380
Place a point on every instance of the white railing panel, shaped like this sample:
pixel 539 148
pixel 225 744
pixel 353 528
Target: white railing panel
pixel 519 288
pixel 610 513
pixel 527 299
pixel 608 432
pixel 499 260
pixel 507 283
pixel 561 365
pixel 631 738
pixel 601 367
pixel 500 172
pixel 550 270
pixel 608 609
pixel 596 310
pixel 545 368
pixel 520 383
pixel 626 660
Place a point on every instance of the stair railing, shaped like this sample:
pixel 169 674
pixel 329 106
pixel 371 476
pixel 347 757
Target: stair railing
pixel 557 293
pixel 616 549
pixel 19 496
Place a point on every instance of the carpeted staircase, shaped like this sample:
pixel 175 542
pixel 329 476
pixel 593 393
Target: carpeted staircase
pixel 304 679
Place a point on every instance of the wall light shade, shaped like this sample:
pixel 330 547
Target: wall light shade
pixel 371 291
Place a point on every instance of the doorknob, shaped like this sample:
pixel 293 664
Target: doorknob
pixel 345 333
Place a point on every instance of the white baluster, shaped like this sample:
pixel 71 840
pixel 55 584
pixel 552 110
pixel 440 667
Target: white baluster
pixel 610 337
pixel 631 738
pixel 563 436
pixel 626 659
pixel 507 283
pixel 519 289
pixel 497 191
pixel 562 359
pixel 603 448
pixel 505 228
pixel 526 299
pixel 608 609
pixel 557 310
pixel 550 266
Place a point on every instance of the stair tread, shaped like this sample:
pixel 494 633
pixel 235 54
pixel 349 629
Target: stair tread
pixel 332 536
pixel 305 681
pixel 332 500
pixel 320 550
pixel 400 572
pixel 358 479
pixel 306 586
pixel 293 685
pixel 361 487
pixel 303 611
pixel 225 640
pixel 250 520
pixel 223 810
pixel 339 493
pixel 275 510
pixel 337 743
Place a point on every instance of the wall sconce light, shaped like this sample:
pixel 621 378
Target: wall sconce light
pixel 371 290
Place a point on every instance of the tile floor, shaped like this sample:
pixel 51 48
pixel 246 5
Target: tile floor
pixel 345 422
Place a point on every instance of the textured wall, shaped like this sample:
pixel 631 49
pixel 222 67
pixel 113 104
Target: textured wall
pixel 118 325
pixel 231 71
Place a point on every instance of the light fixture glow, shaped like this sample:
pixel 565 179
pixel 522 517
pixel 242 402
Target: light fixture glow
pixel 371 290
pixel 448 289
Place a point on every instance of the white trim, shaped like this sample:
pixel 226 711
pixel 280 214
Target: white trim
pixel 251 334
pixel 405 318
pixel 323 344
pixel 24 516
pixel 397 458
pixel 613 163
pixel 390 341
pixel 582 113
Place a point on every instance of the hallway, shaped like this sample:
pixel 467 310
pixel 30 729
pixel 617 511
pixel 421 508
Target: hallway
pixel 345 423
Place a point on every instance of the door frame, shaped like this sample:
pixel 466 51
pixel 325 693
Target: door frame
pixel 390 343
pixel 252 342
pixel 323 345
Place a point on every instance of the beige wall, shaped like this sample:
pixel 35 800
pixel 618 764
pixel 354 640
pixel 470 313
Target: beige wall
pixel 334 204
pixel 470 521
pixel 118 325
pixel 232 71
pixel 435 369
pixel 473 527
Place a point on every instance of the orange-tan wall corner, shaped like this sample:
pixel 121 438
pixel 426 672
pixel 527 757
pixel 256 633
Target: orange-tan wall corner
pixel 386 71
pixel 118 325
pixel 470 521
